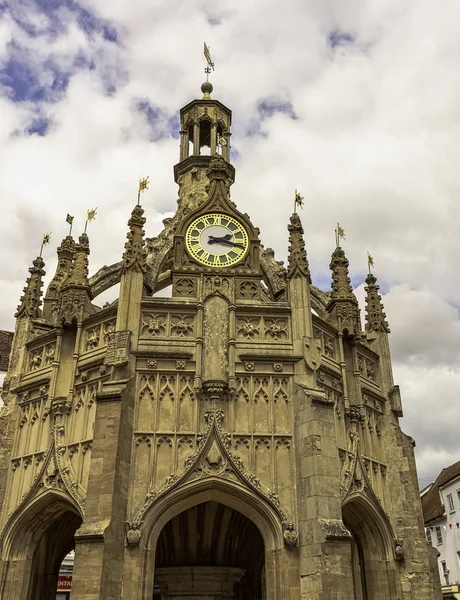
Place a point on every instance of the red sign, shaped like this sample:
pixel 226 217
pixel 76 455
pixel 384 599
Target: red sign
pixel 64 583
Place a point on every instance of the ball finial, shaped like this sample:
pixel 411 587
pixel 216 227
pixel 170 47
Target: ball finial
pixel 206 88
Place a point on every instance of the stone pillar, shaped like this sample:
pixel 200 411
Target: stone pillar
pixel 99 543
pixel 213 138
pixel 196 139
pixel 215 340
pixel 198 583
pixel 326 571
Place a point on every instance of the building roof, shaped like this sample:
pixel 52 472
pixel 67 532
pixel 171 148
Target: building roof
pixel 6 339
pixel 431 501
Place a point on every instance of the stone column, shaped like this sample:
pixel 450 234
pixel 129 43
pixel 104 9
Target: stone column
pixel 198 583
pixel 325 545
pixel 99 543
pixel 196 139
pixel 215 340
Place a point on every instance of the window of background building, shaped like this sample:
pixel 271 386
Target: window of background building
pixel 428 536
pixel 450 503
pixel 438 536
pixel 458 496
pixel 445 571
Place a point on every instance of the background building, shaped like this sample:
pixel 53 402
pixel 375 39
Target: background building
pixel 441 512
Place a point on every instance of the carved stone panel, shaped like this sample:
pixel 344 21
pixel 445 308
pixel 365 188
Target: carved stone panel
pixel 265 329
pixel 118 347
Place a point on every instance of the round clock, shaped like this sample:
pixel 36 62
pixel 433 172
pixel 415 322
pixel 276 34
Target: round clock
pixel 216 240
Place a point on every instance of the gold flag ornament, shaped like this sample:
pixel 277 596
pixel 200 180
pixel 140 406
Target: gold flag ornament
pixel 207 55
pixel 91 214
pixel 222 141
pixel 46 239
pixel 370 261
pixel 144 184
pixel 69 219
pixel 341 232
pixel 298 199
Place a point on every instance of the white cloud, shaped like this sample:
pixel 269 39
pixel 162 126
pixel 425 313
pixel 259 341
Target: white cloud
pixel 374 145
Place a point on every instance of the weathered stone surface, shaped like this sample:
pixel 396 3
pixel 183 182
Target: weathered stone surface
pixel 225 442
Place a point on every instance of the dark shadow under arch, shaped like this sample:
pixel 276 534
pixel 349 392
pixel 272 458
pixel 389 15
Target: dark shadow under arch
pixel 212 537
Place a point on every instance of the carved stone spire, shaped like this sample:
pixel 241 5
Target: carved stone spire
pixel 135 254
pixel 343 304
pixel 30 302
pixel 341 284
pixel 65 255
pixel 79 272
pixel 75 297
pixel 375 316
pixel 297 255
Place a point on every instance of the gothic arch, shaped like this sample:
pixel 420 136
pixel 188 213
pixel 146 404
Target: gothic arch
pixel 34 544
pixel 374 567
pixel 228 493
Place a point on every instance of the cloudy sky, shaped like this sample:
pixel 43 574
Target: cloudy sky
pixel 354 103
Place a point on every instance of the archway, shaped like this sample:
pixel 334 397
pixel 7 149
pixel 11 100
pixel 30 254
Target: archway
pixel 280 572
pixel 35 546
pixel 372 556
pixel 213 550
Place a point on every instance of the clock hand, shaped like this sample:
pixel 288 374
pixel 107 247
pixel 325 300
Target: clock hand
pixel 224 241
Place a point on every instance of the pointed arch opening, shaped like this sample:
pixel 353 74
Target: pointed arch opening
pixel 372 550
pixel 251 516
pixel 210 548
pixel 35 546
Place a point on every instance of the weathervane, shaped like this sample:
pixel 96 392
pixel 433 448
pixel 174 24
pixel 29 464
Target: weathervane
pixel 209 62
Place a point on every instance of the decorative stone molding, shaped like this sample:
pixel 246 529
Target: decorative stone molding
pixel 214 458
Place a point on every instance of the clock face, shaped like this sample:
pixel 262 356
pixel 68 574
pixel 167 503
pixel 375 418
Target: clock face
pixel 216 240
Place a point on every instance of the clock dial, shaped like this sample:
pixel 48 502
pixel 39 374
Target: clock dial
pixel 216 240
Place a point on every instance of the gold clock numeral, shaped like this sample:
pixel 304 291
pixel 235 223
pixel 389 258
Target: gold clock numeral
pixel 216 260
pixel 205 256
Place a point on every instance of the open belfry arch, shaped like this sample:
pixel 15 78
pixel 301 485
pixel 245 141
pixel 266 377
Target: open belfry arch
pixel 239 439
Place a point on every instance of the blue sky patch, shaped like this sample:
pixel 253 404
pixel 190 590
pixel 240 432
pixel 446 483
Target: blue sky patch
pixel 337 38
pixel 161 124
pixel 39 126
pixel 267 107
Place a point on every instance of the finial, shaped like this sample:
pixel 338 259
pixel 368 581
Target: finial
pixel 375 316
pixel 79 272
pixel 297 256
pixel 30 302
pixel 65 255
pixel 343 305
pixel 135 254
pixel 206 88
